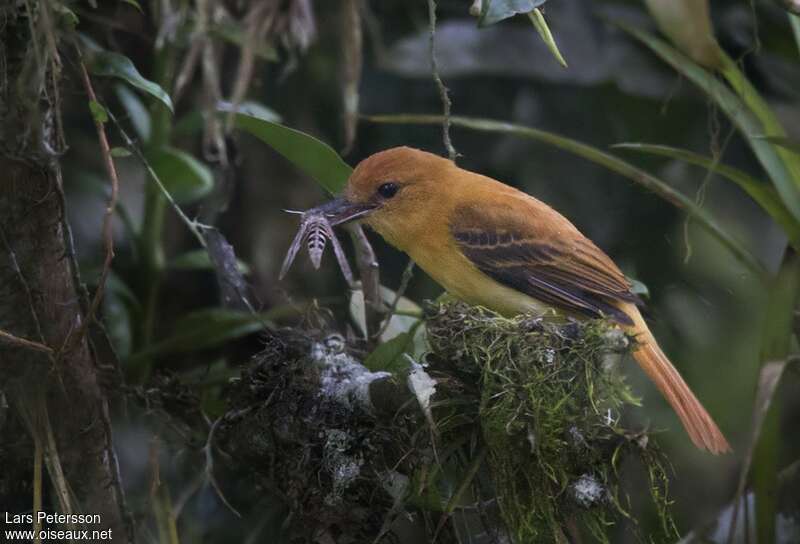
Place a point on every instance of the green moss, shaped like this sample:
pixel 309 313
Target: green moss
pixel 546 401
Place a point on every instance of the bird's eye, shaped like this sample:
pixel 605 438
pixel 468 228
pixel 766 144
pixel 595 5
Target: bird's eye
pixel 388 190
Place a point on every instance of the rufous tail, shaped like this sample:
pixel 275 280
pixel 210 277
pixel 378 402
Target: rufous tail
pixel 698 424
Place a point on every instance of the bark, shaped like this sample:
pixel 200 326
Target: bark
pixel 56 393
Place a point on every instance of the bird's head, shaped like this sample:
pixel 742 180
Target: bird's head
pixel 389 189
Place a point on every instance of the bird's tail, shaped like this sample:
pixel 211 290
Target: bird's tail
pixel 698 424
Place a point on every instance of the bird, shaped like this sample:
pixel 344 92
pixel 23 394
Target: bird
pixel 492 245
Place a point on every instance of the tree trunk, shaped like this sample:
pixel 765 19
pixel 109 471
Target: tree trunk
pixel 48 371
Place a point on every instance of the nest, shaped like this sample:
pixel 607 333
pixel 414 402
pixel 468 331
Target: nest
pixel 522 440
pixel 546 399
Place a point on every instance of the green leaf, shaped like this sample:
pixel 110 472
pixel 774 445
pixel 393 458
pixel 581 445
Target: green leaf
pixel 687 23
pixel 184 177
pixel 494 11
pixel 205 329
pixel 253 109
pixel 739 112
pixel 389 356
pixel 67 15
pixel 107 63
pixel 189 125
pixel 787 143
pixel 99 113
pixel 198 259
pixel 138 114
pixel 133 3
pixel 537 18
pixel 120 152
pixel 763 112
pixel 615 164
pixel 763 193
pixel 213 327
pixel 765 441
pixel 794 20
pixel 315 158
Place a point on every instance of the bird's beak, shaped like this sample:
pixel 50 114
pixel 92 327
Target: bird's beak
pixel 340 211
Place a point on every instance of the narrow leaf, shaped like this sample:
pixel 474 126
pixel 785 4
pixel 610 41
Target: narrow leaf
pixel 763 449
pixel 389 355
pixel 205 329
pixel 540 24
pixel 615 164
pixel 99 113
pixel 253 109
pixel 763 193
pixel 794 20
pixel 138 114
pixel 133 3
pixel 772 126
pixel 315 158
pixel 212 327
pixel 120 152
pixel 198 259
pixel 687 23
pixel 787 143
pixel 110 64
pixel 68 16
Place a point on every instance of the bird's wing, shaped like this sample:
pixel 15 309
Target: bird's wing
pixel 526 245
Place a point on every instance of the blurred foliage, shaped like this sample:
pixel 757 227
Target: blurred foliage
pixel 190 82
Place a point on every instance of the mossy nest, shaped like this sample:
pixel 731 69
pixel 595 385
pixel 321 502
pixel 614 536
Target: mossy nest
pixel 521 441
pixel 545 398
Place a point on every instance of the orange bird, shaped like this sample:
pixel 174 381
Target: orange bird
pixel 492 245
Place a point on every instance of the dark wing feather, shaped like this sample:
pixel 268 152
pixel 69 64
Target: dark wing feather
pixel 571 275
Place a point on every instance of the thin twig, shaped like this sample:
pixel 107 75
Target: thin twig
pixel 472 471
pixel 408 273
pixel 12 256
pixel 108 216
pixel 768 379
pixel 193 226
pixel 443 92
pixel 351 68
pixel 189 66
pixel 370 279
pixel 38 461
pixel 257 23
pixel 209 470
pixel 9 338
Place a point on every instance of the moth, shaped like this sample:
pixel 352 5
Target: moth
pixel 314 232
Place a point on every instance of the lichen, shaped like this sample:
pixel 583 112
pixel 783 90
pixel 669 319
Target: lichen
pixel 342 377
pixel 342 466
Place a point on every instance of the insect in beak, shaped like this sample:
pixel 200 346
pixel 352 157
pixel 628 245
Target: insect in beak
pixel 316 229
pixel 340 211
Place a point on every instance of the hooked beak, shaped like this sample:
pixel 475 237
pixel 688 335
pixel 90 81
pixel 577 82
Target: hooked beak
pixel 340 211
